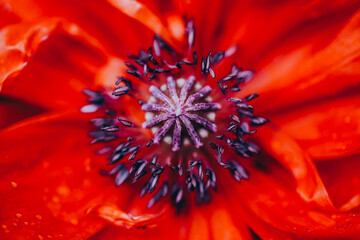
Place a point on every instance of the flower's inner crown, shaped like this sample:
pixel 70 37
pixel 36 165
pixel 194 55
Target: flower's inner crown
pixel 179 110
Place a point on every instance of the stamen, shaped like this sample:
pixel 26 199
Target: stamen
pixel 125 122
pixel 122 175
pixel 121 91
pixel 190 32
pixel 218 57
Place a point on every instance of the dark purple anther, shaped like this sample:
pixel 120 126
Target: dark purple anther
pixel 251 97
pixel 129 65
pixel 212 73
pixel 195 57
pixel 122 175
pixel 208 62
pixel 125 122
pixel 258 121
pixel 190 32
pixel 135 73
pixel 121 91
pixel 218 57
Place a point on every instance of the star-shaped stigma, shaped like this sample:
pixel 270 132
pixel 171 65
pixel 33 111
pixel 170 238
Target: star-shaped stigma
pixel 177 111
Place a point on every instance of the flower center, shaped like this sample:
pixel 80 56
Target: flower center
pixel 179 111
pixel 204 134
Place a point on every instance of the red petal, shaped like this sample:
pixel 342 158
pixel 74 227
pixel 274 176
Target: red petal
pixel 118 33
pixel 79 64
pixel 143 14
pixel 342 180
pixel 270 199
pixel 7 17
pixel 261 27
pixel 124 219
pixel 213 221
pixel 50 179
pixel 12 111
pixel 18 43
pixel 285 150
pixel 310 75
pixel 327 130
pixel 57 73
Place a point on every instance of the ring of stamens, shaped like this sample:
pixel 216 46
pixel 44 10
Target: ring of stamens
pixel 178 108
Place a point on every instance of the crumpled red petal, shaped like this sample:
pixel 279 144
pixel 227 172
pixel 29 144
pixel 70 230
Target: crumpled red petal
pixel 143 14
pixel 118 33
pixel 327 130
pixel 321 73
pixel 60 69
pixel 123 219
pixel 341 179
pixel 263 27
pixel 283 148
pixel 272 199
pixel 85 56
pixel 49 192
pixel 201 222
pixel 14 111
pixel 18 43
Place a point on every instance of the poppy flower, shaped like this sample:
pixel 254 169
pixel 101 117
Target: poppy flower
pixel 179 119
